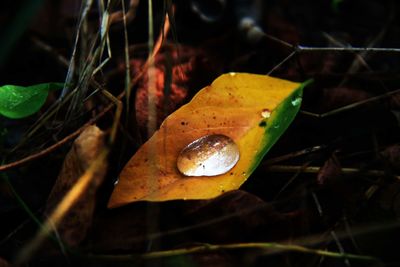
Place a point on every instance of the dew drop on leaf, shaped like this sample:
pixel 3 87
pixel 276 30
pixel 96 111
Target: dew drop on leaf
pixel 209 155
pixel 266 113
pixel 296 101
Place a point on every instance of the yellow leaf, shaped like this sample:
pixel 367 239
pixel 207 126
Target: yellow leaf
pixel 236 105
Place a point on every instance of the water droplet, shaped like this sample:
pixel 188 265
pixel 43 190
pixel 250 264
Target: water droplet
pixel 232 73
pixel 209 155
pixel 296 101
pixel 266 113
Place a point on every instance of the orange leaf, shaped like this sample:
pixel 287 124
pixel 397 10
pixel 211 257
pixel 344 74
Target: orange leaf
pixel 234 105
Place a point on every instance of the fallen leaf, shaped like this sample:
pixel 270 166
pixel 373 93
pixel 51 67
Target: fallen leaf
pixel 253 110
pixel 330 170
pixel 84 151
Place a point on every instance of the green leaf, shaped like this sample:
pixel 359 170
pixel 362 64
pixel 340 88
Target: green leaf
pixel 18 101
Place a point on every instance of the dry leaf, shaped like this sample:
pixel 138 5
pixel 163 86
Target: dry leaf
pixel 84 151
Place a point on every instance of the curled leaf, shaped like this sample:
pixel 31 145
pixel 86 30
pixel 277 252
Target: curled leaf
pixel 85 150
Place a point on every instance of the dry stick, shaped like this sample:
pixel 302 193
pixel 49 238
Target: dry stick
pixel 351 106
pixel 117 115
pixel 71 66
pixel 282 62
pixel 293 155
pixel 119 16
pixel 58 144
pixel 315 169
pixel 301 48
pixel 128 87
pixel 151 85
pixel 47 48
pixel 272 246
pixel 269 247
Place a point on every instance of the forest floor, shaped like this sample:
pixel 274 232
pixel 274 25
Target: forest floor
pixel 326 194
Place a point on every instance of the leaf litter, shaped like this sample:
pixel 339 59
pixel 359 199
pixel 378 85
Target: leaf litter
pixel 359 210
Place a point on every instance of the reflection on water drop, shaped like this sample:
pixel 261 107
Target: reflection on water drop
pixel 266 113
pixel 209 155
pixel 296 101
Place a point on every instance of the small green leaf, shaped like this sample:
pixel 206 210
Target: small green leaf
pixel 18 101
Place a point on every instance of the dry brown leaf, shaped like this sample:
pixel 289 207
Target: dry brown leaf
pixel 84 151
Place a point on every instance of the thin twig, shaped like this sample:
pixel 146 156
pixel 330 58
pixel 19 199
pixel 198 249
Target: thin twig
pixel 117 115
pixel 350 106
pixel 315 169
pixel 57 145
pixel 352 49
pixel 293 155
pixel 128 87
pixel 270 247
pixel 47 48
pixel 282 62
pixel 119 16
